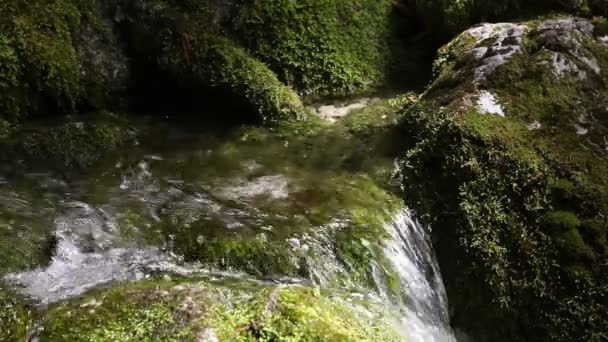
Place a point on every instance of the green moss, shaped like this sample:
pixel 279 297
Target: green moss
pixel 125 313
pixel 196 54
pixel 301 314
pixel 594 232
pixel 452 16
pixel 261 50
pixel 234 311
pixel 309 214
pixel 573 247
pixel 231 67
pixel 320 47
pixel 39 62
pixel 55 57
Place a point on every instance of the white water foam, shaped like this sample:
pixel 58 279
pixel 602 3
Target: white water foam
pixel 426 317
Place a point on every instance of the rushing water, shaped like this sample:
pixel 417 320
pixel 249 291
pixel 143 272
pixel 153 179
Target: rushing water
pixel 101 228
pixel 426 315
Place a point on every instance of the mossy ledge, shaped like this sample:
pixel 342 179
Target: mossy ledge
pixel 231 310
pixel 510 164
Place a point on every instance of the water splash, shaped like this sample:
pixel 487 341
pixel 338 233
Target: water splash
pixel 89 254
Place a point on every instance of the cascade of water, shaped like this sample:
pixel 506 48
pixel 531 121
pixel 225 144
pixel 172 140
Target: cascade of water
pixel 91 252
pixel 426 317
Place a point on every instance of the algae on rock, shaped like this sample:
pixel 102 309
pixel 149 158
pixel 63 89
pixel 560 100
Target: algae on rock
pixel 73 144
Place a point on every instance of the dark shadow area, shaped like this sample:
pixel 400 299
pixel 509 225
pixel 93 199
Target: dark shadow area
pixel 412 52
pixel 155 91
pixel 158 93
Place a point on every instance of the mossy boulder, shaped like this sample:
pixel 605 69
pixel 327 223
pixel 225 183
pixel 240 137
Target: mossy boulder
pixel 56 56
pixel 266 52
pixel 509 163
pixel 320 47
pixel 226 311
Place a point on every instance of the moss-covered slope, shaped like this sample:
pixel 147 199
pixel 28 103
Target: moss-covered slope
pixel 511 164
pixel 200 311
pixel 320 47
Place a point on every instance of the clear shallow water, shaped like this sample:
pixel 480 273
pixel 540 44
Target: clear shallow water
pixel 140 216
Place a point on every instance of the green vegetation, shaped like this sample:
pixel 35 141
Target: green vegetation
pixel 38 61
pixel 320 47
pixel 220 63
pixel 519 203
pixel 54 58
pixel 339 194
pixel 448 18
pixel 260 50
pixel 236 311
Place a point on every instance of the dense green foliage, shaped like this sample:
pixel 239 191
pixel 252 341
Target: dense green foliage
pixel 521 215
pixel 318 48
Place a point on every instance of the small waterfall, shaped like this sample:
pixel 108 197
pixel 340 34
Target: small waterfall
pixel 426 317
pixel 91 250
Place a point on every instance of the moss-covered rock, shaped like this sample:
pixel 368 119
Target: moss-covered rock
pixel 234 311
pixel 267 51
pixel 55 56
pixel 320 47
pixel 510 164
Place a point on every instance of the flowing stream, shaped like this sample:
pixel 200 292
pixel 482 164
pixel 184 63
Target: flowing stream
pixel 112 226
